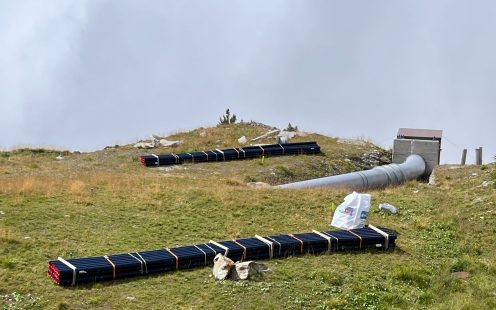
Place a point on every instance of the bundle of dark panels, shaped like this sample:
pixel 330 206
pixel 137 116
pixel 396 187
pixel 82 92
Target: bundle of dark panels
pixel 232 154
pixel 92 269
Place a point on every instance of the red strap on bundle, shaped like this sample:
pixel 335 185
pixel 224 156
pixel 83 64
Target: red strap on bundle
pixel 176 157
pixel 192 157
pixel 244 249
pixel 358 237
pixel 113 265
pixel 175 256
pixel 263 151
pixel 301 241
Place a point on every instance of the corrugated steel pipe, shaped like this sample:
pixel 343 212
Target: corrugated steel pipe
pixel 382 176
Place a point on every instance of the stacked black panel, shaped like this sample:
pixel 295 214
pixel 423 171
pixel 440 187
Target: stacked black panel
pixel 232 154
pixel 360 239
pixel 112 267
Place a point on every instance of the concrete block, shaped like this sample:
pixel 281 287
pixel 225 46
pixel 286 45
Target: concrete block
pixel 429 150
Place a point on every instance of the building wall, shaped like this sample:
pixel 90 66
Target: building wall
pixel 429 150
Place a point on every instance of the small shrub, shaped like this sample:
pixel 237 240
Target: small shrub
pixel 459 264
pixel 291 128
pixel 227 118
pixel 249 179
pixel 284 171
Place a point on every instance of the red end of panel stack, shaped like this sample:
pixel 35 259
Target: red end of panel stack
pixel 54 273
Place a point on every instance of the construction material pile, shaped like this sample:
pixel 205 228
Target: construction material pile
pixel 112 267
pixel 232 154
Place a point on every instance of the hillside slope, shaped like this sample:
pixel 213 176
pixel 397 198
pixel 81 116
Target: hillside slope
pixel 105 202
pixel 335 158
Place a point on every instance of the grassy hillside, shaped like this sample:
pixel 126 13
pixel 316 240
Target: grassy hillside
pixel 105 202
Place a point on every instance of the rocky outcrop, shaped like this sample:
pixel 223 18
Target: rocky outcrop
pixel 372 159
pixel 242 140
pixel 157 141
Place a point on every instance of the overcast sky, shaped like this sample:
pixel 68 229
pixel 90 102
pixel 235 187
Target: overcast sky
pixel 86 74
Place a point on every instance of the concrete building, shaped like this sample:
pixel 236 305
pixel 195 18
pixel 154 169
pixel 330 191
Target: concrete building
pixel 424 142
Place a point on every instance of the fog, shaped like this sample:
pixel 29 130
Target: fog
pixel 85 74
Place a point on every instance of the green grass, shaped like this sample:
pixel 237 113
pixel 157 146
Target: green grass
pixel 82 207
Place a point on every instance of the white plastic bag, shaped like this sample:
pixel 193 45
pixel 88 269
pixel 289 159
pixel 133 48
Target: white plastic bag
pixel 353 212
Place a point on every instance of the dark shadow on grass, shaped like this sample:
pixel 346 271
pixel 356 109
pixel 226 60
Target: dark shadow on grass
pixel 102 284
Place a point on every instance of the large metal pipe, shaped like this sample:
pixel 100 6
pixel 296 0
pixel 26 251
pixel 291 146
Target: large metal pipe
pixel 381 176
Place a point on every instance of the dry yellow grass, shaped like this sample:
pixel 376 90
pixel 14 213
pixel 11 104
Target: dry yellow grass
pixel 6 234
pixel 29 185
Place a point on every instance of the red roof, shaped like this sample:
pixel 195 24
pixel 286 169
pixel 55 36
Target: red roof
pixel 420 133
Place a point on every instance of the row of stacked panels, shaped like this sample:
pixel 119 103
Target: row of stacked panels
pixel 112 267
pixel 232 154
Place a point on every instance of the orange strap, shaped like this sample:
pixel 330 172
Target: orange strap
pixel 113 265
pixel 263 151
pixel 176 157
pixel 236 151
pixel 244 249
pixel 192 157
pixel 175 256
pixel 223 155
pixel 337 240
pixel 301 241
pixel 358 237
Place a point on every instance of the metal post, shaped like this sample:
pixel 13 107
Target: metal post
pixel 464 157
pixel 477 156
pixel 480 155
